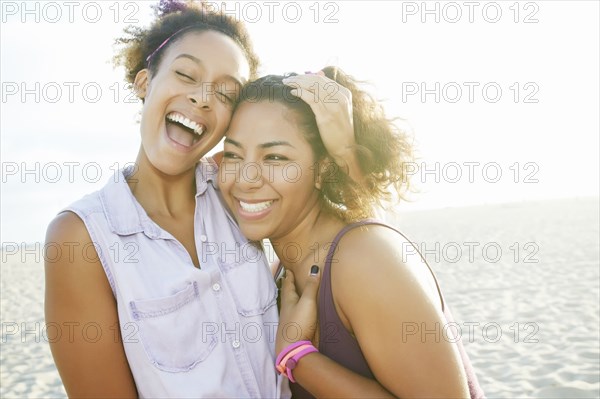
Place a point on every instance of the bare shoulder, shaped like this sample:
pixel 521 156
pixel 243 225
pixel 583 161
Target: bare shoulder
pixel 377 258
pixel 68 242
pixel 73 268
pixel 66 227
pixel 369 244
pixel 379 287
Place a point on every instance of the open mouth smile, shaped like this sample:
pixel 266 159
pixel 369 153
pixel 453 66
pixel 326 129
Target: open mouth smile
pixel 183 130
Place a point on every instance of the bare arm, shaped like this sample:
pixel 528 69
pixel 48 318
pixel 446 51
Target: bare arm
pixel 80 305
pixel 384 300
pixel 319 375
pixel 324 378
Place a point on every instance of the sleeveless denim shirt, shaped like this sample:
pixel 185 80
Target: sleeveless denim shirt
pixel 187 332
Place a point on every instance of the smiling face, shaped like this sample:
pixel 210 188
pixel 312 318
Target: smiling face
pixel 188 103
pixel 268 169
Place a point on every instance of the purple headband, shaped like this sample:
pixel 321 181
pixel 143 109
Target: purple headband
pixel 167 40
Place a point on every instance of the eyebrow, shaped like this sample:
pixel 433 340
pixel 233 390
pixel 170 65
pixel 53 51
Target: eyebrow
pixel 199 62
pixel 263 145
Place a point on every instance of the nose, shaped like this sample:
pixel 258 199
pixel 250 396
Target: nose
pixel 250 176
pixel 201 98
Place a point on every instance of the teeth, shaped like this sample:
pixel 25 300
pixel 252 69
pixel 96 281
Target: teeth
pixel 259 206
pixel 190 124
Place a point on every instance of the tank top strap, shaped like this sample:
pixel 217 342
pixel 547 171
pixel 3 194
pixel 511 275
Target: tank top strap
pixel 325 288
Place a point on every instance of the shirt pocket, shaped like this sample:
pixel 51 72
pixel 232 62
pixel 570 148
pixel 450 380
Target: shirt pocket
pixel 169 328
pixel 250 281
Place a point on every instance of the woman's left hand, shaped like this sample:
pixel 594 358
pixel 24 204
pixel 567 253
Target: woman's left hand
pixel 332 106
pixel 298 316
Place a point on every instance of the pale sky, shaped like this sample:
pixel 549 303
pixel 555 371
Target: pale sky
pixel 487 88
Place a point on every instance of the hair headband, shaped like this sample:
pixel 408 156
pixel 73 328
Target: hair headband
pixel 167 41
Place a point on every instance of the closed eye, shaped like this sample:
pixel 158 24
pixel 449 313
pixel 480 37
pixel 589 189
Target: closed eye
pixel 225 98
pixel 184 76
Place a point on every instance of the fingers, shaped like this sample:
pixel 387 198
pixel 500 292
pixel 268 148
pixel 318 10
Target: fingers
pixel 317 88
pixel 320 87
pixel 315 73
pixel 306 95
pixel 288 288
pixel 311 289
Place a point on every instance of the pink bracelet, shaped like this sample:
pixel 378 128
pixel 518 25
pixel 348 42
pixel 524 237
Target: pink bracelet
pixel 289 348
pixel 293 361
pixel 289 357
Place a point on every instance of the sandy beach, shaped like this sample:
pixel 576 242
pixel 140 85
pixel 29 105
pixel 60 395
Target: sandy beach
pixel 522 280
pixel 529 316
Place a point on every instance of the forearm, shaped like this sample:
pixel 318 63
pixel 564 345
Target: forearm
pixel 323 377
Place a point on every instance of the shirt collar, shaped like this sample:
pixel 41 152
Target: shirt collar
pixel 124 213
pixel 207 171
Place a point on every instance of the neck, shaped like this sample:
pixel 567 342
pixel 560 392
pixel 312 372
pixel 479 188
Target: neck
pixel 307 244
pixel 161 194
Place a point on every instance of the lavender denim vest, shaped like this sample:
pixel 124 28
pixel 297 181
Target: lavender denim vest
pixel 187 332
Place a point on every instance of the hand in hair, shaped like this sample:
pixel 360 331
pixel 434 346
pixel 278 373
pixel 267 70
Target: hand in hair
pixel 332 105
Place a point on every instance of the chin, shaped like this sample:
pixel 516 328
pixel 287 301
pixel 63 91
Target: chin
pixel 254 234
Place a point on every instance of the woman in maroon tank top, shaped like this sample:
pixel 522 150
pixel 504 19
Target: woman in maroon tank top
pixel 378 317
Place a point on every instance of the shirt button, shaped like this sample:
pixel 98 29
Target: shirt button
pixel 235 344
pixel 216 287
pixel 203 238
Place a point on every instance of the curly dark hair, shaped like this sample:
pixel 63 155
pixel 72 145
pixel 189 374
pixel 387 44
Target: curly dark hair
pixel 173 19
pixel 382 148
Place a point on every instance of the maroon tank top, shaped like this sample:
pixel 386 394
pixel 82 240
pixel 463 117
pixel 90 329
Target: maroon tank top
pixel 336 342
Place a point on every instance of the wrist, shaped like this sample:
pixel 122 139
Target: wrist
pixel 288 358
pixel 344 154
pixel 283 343
pixel 284 339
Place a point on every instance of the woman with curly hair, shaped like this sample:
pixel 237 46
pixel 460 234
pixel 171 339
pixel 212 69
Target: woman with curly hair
pixel 155 292
pixel 352 335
